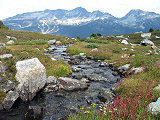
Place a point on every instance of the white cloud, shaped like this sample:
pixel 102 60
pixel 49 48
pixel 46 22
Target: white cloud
pixel 117 8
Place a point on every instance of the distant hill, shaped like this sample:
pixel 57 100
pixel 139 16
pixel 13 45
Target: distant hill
pixel 79 21
pixel 2 26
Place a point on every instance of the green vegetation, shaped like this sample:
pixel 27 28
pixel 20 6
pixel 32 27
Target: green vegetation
pixel 96 41
pixel 92 45
pixel 151 30
pixel 2 26
pixel 32 42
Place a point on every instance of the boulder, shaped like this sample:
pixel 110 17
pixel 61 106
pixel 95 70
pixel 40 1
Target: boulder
pixel 11 38
pixel 125 42
pixel 31 75
pixel 70 84
pixel 2 45
pixel 7 86
pixel 147 42
pixel 157 37
pixel 97 78
pixel 106 95
pixel 146 35
pixel 123 69
pixel 10 42
pixel 51 80
pixel 52 42
pixel 10 99
pixel 154 107
pixel 136 70
pixel 4 56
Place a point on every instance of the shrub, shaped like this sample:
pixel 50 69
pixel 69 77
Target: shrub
pixel 92 45
pixel 151 30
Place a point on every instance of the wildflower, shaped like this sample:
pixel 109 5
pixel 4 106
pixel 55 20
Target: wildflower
pixel 89 107
pixel 82 108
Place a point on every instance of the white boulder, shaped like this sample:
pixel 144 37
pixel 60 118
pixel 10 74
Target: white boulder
pixel 146 35
pixel 31 75
pixel 10 42
pixel 125 42
pixel 52 42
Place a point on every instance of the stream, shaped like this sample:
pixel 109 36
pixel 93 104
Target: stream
pixel 59 104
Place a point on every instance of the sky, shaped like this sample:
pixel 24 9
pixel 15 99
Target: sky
pixel 117 8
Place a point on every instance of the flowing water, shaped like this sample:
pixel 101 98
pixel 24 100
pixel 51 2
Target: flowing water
pixel 59 104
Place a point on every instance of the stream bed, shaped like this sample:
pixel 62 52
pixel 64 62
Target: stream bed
pixel 59 104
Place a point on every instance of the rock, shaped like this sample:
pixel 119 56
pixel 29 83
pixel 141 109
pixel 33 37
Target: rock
pixel 76 69
pixel 77 75
pixel 2 45
pixel 125 42
pixel 11 38
pixel 97 78
pixel 1 107
pixel 52 42
pixel 53 59
pixel 37 110
pixel 125 56
pixel 147 42
pixel 70 84
pixel 31 75
pixel 146 35
pixel 154 107
pixel 51 80
pixel 10 42
pixel 82 54
pixel 115 73
pixel 136 70
pixel 124 49
pixel 157 88
pixel 4 56
pixel 121 36
pixel 85 80
pixel 154 47
pixel 106 95
pixel 8 86
pixel 157 37
pixel 94 50
pixel 58 43
pixel 103 64
pixel 51 88
pixel 123 69
pixel 10 99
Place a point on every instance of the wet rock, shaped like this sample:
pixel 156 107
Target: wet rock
pixel 154 107
pixel 31 75
pixel 77 75
pixel 2 45
pixel 10 42
pixel 70 84
pixel 106 95
pixel 4 56
pixel 115 73
pixel 10 99
pixel 98 71
pixel 7 86
pixel 96 78
pixel 125 42
pixel 76 69
pixel 85 80
pixel 52 42
pixel 51 88
pixel 103 64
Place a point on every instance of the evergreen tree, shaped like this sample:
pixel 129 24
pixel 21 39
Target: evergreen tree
pixel 151 30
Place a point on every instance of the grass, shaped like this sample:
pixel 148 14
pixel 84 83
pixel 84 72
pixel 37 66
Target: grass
pixel 92 45
pixel 32 42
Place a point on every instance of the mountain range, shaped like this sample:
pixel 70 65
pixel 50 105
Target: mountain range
pixel 80 22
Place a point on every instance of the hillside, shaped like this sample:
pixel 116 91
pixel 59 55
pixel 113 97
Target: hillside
pixel 79 21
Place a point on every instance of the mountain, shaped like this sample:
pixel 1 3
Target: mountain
pixel 2 26
pixel 81 22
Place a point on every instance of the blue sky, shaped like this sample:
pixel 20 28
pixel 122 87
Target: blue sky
pixel 118 8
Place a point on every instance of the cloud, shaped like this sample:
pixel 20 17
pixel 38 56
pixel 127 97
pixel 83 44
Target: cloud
pixel 117 8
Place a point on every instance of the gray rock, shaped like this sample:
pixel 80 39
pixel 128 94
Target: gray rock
pixel 157 88
pixel 147 42
pixel 58 43
pixel 70 84
pixel 125 42
pixel 76 69
pixel 96 78
pixel 123 69
pixel 136 70
pixel 10 99
pixel 154 107
pixel 115 73
pixel 11 38
pixel 4 56
pixel 82 54
pixel 51 80
pixel 52 42
pixel 10 42
pixel 94 50
pixel 103 64
pixel 51 88
pixel 146 35
pixel 31 75
pixel 106 95
pixel 8 86
pixel 2 45
pixel 1 107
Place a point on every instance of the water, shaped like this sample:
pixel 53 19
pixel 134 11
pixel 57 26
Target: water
pixel 59 104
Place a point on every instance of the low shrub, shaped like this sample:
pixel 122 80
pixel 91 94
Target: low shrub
pixel 92 45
